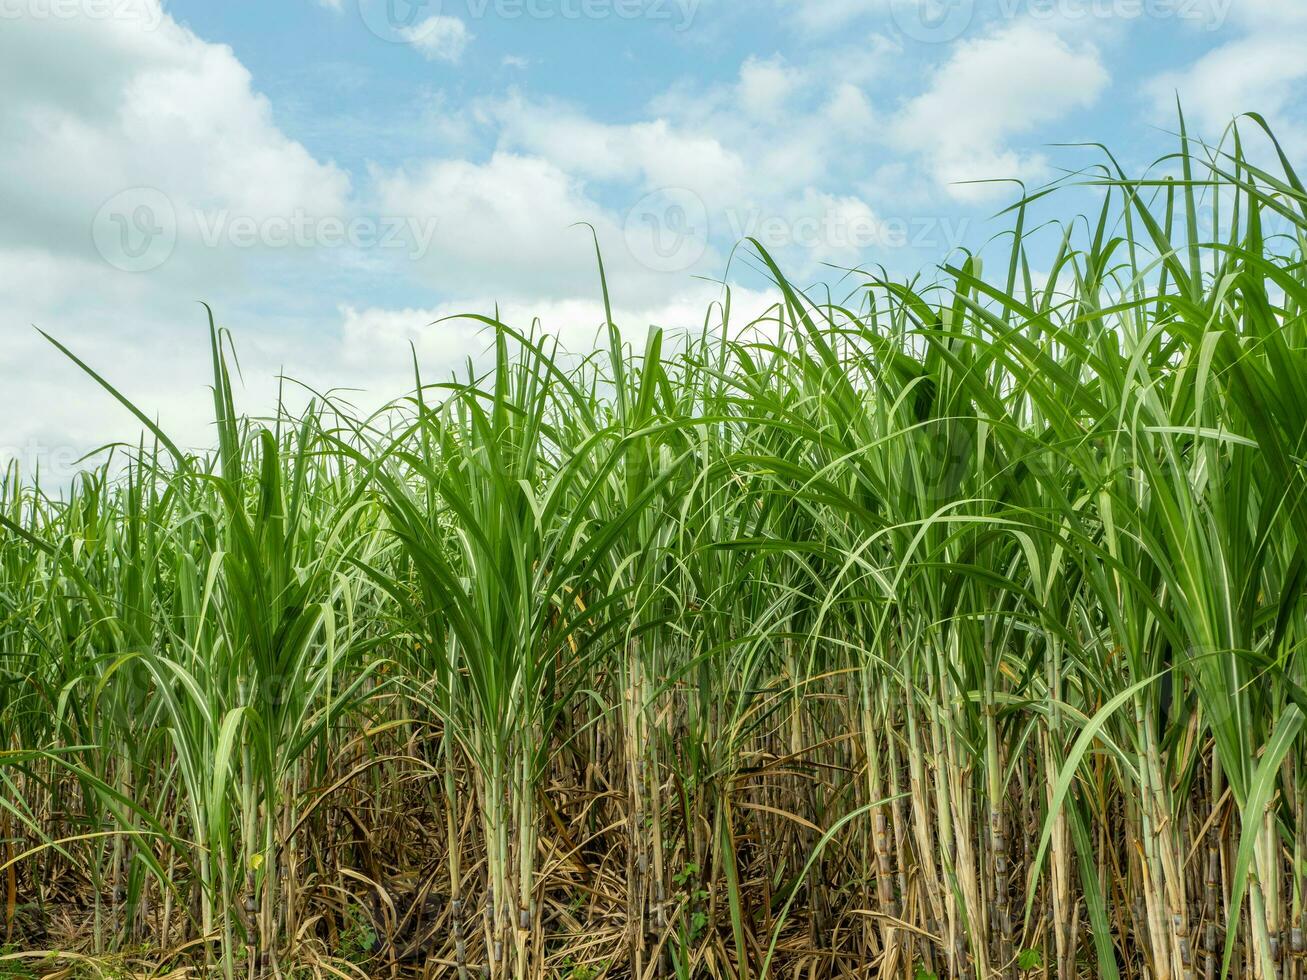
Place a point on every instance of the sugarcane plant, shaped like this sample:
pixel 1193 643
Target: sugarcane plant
pixel 951 626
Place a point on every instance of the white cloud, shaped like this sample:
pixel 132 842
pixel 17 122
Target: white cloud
pixel 149 342
pixel 654 153
pixel 776 130
pixel 1267 15
pixel 763 154
pixel 123 106
pixel 990 89
pixel 849 109
pixel 767 86
pixel 826 16
pixel 509 228
pixel 378 338
pixel 129 102
pixel 1261 70
pixel 438 38
pixel 503 220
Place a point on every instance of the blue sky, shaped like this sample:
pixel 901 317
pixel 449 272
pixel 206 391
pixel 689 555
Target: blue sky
pixel 333 176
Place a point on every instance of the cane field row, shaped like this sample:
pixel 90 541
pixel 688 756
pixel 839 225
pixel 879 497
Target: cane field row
pixel 949 627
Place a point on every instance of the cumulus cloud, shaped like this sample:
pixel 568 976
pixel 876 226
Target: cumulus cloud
pixel 767 86
pixel 509 226
pixel 1262 72
pixel 438 38
pixel 774 152
pixel 651 153
pixel 828 16
pixel 773 132
pixel 1260 69
pixel 141 110
pixel 991 88
pixel 444 336
pixel 123 106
